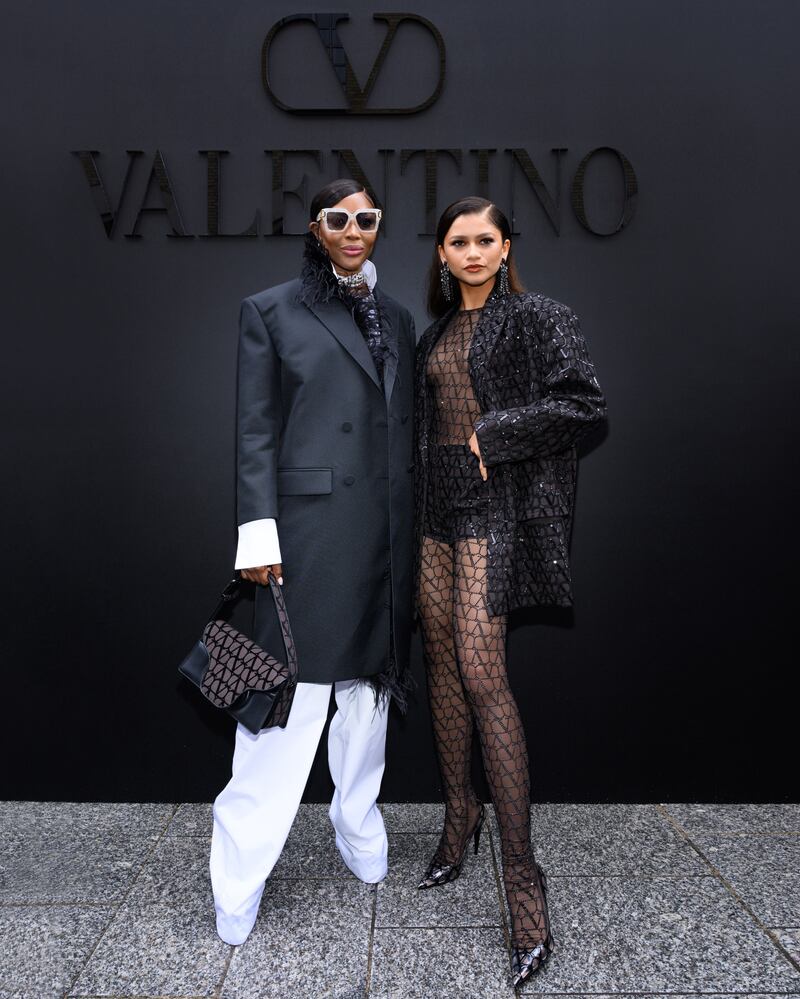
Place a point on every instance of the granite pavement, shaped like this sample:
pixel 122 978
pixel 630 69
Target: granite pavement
pixel 646 900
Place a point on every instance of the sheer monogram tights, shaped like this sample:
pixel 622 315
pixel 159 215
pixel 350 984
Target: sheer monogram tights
pixel 465 661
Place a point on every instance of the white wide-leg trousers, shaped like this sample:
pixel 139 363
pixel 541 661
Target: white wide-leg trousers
pixel 255 810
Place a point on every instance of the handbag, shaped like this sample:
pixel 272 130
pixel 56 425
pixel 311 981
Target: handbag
pixel 234 673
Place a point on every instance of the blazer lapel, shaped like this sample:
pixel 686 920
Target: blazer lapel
pixel 484 338
pixel 335 317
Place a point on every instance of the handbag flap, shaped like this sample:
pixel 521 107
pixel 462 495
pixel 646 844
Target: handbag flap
pixel 236 665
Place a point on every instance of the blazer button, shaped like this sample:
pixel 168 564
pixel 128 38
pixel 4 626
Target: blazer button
pixel 349 480
pixel 347 427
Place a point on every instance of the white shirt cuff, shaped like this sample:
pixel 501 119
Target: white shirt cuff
pixel 258 544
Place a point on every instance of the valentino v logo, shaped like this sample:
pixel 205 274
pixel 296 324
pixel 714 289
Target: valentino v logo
pixel 356 96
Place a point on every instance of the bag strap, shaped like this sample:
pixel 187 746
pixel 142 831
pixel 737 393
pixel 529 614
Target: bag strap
pixel 233 591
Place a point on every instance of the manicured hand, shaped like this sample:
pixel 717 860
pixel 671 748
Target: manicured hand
pixel 473 446
pixel 260 574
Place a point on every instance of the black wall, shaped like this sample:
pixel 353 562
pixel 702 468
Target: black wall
pixel 669 681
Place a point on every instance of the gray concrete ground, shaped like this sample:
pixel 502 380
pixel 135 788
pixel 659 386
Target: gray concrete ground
pixel 646 900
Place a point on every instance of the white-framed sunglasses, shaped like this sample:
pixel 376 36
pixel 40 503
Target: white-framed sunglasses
pixel 337 219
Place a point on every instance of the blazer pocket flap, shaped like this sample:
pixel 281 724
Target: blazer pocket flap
pixel 305 481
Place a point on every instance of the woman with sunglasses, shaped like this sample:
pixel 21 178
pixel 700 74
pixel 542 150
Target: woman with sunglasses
pixel 325 380
pixel 504 390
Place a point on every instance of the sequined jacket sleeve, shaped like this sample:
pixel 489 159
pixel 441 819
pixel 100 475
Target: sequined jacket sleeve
pixel 568 400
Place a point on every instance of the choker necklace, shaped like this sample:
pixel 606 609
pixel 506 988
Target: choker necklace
pixel 352 280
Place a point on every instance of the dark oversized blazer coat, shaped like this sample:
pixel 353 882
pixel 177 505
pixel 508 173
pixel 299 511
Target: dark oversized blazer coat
pixel 538 393
pixel 328 453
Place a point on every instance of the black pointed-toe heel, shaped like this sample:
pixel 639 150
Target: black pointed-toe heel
pixel 438 873
pixel 525 961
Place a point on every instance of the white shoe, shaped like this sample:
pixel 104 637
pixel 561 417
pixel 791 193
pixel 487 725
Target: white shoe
pixel 370 868
pixel 234 931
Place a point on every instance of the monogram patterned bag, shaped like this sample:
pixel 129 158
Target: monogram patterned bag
pixel 237 675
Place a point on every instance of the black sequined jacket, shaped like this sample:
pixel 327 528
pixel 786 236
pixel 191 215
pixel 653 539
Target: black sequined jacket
pixel 538 394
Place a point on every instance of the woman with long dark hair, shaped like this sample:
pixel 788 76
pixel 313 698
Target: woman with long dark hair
pixel 325 383
pixel 504 390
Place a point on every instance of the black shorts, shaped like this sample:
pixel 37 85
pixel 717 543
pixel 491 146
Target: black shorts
pixel 456 500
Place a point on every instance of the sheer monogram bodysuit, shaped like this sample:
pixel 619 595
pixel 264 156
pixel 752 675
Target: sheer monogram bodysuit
pixel 465 647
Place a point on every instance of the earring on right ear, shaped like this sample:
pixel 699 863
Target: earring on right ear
pixel 503 277
pixel 446 279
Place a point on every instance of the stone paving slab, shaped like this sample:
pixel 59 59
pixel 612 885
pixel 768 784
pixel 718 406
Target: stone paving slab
pixel 764 870
pixel 310 850
pixel 156 950
pixel 470 900
pixel 310 939
pixel 42 948
pixel 72 866
pixel 75 852
pixel 55 818
pixel 176 876
pixel 610 839
pixel 415 817
pixel 115 900
pixel 192 819
pixel 746 853
pixel 736 818
pixel 791 941
pixel 465 963
pixel 657 934
pixel 774 899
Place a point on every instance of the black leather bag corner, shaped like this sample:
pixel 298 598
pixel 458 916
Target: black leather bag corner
pixel 235 674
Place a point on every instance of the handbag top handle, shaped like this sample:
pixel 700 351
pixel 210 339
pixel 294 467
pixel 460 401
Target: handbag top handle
pixel 233 591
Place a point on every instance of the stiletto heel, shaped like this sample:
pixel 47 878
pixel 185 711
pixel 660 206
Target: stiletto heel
pixel 525 961
pixel 438 873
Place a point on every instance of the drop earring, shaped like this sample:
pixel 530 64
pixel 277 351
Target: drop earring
pixel 503 272
pixel 444 277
